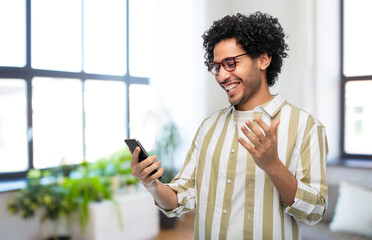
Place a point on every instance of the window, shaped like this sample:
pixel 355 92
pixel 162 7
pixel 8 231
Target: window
pixel 57 130
pixel 356 75
pixel 13 125
pixel 64 82
pixel 101 130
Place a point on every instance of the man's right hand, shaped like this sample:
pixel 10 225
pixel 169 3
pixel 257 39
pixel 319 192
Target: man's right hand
pixel 142 170
pixel 163 195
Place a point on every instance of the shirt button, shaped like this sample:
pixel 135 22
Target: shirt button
pixel 224 211
pixel 249 183
pixel 228 181
pixel 233 150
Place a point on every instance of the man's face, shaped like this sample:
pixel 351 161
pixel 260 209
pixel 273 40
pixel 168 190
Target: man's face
pixel 244 81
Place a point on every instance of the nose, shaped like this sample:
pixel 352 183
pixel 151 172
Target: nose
pixel 223 75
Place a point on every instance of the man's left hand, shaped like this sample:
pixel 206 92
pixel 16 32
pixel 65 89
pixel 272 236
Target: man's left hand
pixel 263 147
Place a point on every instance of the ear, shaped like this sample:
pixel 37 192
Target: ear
pixel 263 61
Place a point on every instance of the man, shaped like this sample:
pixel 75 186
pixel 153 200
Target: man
pixel 256 169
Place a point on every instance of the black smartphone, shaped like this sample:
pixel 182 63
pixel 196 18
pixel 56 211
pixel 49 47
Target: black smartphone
pixel 132 144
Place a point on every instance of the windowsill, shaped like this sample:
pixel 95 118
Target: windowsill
pixel 16 184
pixel 352 163
pixel 12 185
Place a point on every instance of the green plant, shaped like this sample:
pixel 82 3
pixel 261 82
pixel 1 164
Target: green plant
pixel 117 164
pixel 44 192
pixel 82 191
pixel 93 182
pixel 165 148
pixel 60 191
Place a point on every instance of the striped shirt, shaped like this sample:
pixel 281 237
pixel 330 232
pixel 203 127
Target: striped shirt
pixel 234 198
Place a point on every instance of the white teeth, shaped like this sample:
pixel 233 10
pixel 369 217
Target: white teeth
pixel 231 87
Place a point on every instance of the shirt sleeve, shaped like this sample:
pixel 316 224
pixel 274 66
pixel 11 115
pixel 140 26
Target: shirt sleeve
pixel 184 183
pixel 310 200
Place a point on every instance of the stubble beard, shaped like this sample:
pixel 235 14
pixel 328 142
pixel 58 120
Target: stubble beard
pixel 251 86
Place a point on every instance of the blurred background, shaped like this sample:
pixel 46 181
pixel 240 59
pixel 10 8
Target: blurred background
pixel 77 77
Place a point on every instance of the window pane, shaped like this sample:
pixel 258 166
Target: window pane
pixel 105 117
pixel 105 37
pixel 143 27
pixel 56 34
pixel 358 117
pixel 57 121
pixel 357 37
pixel 13 33
pixel 13 125
pixel 143 124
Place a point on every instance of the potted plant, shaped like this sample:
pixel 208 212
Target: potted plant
pixel 84 190
pixel 115 168
pixel 166 146
pixel 59 192
pixel 46 193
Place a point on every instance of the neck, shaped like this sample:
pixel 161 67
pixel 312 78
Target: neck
pixel 258 98
pixel 254 102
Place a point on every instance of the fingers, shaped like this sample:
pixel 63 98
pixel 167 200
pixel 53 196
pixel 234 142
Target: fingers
pixel 266 130
pixel 262 141
pixel 135 156
pixel 251 136
pixel 156 175
pixel 140 167
pixel 148 169
pixel 263 126
pixel 274 127
pixel 260 133
pixel 148 175
pixel 142 170
pixel 247 146
pixel 257 135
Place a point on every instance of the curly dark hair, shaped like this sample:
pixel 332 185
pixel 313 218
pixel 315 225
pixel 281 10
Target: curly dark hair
pixel 257 33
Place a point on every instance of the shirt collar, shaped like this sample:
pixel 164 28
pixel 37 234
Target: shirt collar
pixel 271 107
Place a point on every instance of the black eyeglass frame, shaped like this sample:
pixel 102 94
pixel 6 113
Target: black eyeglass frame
pixel 210 67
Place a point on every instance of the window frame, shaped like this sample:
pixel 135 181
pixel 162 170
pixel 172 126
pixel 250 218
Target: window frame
pixel 27 73
pixel 344 80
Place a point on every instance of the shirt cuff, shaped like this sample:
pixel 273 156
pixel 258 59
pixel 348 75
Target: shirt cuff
pixel 182 204
pixel 307 206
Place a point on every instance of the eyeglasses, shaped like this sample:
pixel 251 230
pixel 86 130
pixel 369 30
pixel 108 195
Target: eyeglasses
pixel 228 64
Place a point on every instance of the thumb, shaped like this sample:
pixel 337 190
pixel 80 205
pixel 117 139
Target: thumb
pixel 135 156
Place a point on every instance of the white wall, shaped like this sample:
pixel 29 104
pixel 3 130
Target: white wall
pixel 327 71
pixel 178 75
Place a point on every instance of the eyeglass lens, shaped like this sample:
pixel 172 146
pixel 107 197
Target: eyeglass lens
pixel 227 63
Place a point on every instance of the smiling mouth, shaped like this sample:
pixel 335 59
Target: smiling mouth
pixel 230 87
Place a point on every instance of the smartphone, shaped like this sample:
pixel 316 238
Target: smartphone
pixel 132 144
